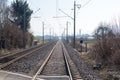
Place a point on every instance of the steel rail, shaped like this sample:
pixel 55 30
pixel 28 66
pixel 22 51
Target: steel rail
pixel 8 55
pixel 22 56
pixel 43 64
pixel 47 59
pixel 67 63
pixel 21 51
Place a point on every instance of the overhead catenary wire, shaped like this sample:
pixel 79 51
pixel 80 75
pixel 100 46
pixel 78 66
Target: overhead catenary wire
pixel 86 4
pixel 41 18
pixel 36 11
pixel 66 14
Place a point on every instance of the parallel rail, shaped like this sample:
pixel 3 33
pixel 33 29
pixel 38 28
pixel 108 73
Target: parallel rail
pixel 21 51
pixel 44 63
pixel 66 61
pixel 29 51
pixel 47 59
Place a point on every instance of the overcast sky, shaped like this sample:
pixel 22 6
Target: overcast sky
pixel 87 17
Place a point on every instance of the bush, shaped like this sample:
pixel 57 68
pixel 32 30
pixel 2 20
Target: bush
pixel 13 36
pixel 107 46
pixel 116 59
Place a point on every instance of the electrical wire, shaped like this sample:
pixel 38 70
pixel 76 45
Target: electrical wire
pixel 86 3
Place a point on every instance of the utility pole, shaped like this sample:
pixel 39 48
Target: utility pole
pixel 64 34
pixel 74 23
pixel 53 34
pixel 74 19
pixel 67 31
pixel 43 31
pixel 50 34
pixel 80 32
pixel 24 40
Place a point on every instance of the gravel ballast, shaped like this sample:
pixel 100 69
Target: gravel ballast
pixel 28 63
pixel 56 64
pixel 85 69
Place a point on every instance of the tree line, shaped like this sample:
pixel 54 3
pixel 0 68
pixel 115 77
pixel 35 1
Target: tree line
pixel 15 24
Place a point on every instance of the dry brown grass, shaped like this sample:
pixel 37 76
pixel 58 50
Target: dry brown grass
pixel 87 58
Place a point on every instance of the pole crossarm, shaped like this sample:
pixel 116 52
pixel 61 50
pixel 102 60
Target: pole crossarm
pixel 36 17
pixel 59 16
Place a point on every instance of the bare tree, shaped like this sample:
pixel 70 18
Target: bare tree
pixel 102 48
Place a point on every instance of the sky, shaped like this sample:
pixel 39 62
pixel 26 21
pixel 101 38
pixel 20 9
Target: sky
pixel 88 17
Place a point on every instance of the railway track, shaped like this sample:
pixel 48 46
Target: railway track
pixel 55 65
pixel 10 56
pixel 51 62
pixel 85 70
pixel 20 55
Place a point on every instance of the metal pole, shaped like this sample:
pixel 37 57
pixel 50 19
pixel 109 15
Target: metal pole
pixel 67 32
pixel 64 34
pixel 43 31
pixel 0 44
pixel 80 33
pixel 86 47
pixel 74 23
pixel 50 34
pixel 24 41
